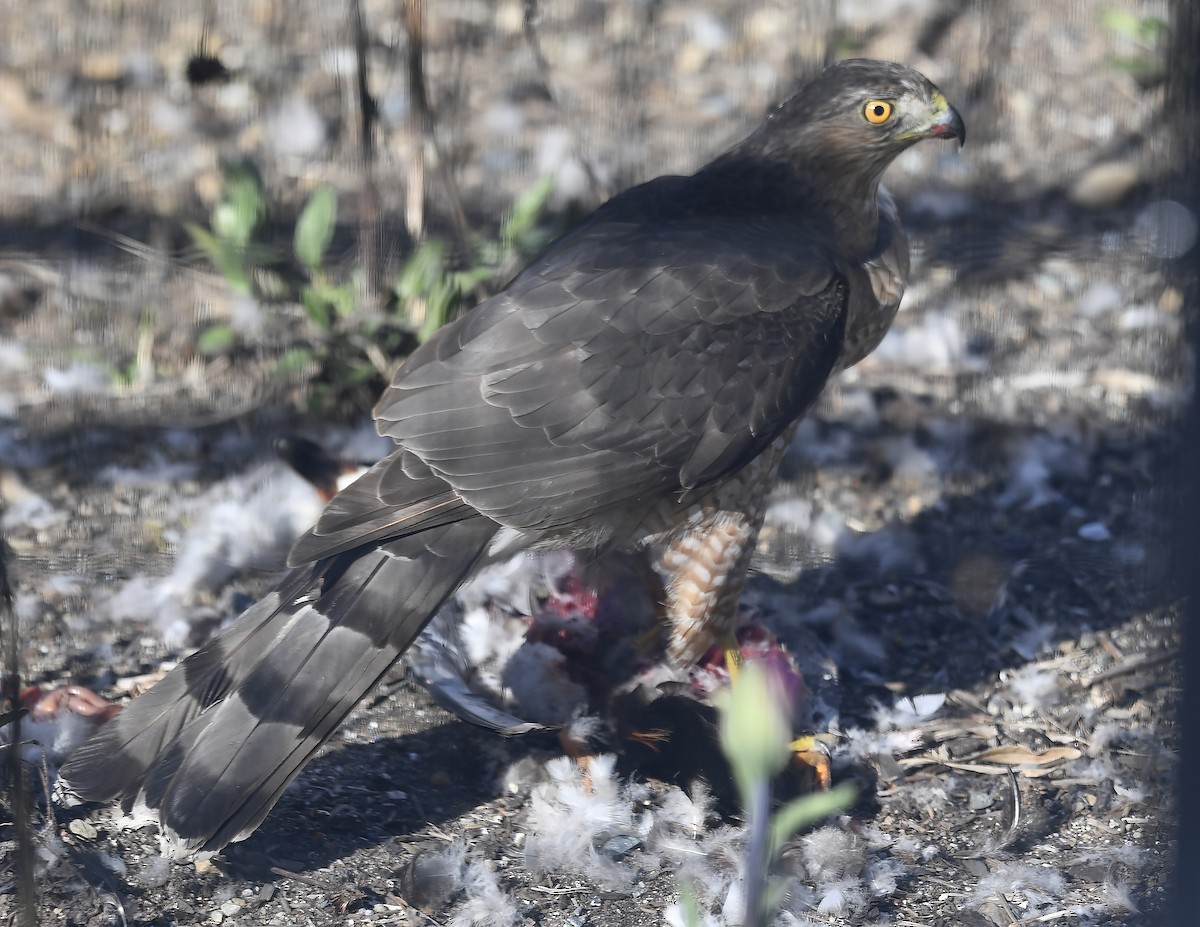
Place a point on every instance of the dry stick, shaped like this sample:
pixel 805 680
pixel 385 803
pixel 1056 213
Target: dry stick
pixel 414 213
pixel 20 790
pixel 369 244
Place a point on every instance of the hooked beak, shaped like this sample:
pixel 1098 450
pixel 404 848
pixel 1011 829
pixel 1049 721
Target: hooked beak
pixel 947 123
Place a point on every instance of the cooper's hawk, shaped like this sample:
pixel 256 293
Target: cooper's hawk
pixel 633 388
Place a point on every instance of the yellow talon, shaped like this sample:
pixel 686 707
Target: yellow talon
pixel 733 662
pixel 810 751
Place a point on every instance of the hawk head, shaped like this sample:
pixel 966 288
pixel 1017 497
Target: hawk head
pixel 852 119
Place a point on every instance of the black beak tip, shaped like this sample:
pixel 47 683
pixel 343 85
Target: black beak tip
pixel 955 128
pixel 949 124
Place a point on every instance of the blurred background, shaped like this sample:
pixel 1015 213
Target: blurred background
pixel 223 222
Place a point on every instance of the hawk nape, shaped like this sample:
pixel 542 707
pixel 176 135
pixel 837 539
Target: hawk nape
pixel 633 388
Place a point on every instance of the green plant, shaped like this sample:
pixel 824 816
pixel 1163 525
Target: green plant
pixel 756 737
pixel 235 223
pixel 431 290
pixel 1147 35
pixel 351 353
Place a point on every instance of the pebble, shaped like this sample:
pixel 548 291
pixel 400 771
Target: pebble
pixel 979 800
pixel 620 846
pixel 1104 185
pixel 1099 298
pixel 1143 317
pixel 84 829
pixel 1094 531
pixel 296 129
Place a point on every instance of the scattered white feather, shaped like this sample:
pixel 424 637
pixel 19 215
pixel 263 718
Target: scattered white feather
pixel 907 845
pixel 1035 687
pixel 1125 854
pixel 52 739
pixel 155 872
pixel 1119 896
pixel 488 639
pixel 831 854
pixel 688 813
pixel 1035 460
pixel 863 744
pixel 911 465
pixel 841 897
pixel 793 513
pixel 246 522
pixel 883 875
pixel 79 377
pixel 522 775
pixel 571 817
pixel 934 343
pixel 1034 640
pixel 1038 886
pixel 486 903
pixel 31 512
pixel 908 712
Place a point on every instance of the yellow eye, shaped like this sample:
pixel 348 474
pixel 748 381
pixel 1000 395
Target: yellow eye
pixel 877 112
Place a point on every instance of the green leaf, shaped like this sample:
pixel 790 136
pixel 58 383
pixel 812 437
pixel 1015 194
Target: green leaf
pixel 293 362
pixel 809 809
pixel 243 207
pixel 216 340
pixel 315 227
pixel 317 307
pixel 689 907
pixel 1122 22
pixel 526 211
pixel 1153 28
pixel 421 270
pixel 342 298
pixel 438 304
pixel 227 257
pixel 466 280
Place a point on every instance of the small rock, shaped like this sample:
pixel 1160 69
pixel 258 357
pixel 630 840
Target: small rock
pixel 620 846
pixel 296 129
pixel 1146 317
pixel 1104 185
pixel 1099 298
pixel 977 801
pixel 84 829
pixel 1094 531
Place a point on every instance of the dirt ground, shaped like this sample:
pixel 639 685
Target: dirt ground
pixel 968 552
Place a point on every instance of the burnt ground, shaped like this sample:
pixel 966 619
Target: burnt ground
pixel 977 519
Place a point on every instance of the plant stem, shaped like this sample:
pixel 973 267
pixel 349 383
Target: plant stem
pixel 758 808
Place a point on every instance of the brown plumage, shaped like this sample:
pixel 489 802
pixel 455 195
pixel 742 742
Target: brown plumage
pixel 633 388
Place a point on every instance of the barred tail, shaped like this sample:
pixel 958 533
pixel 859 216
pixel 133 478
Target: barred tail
pixel 213 745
